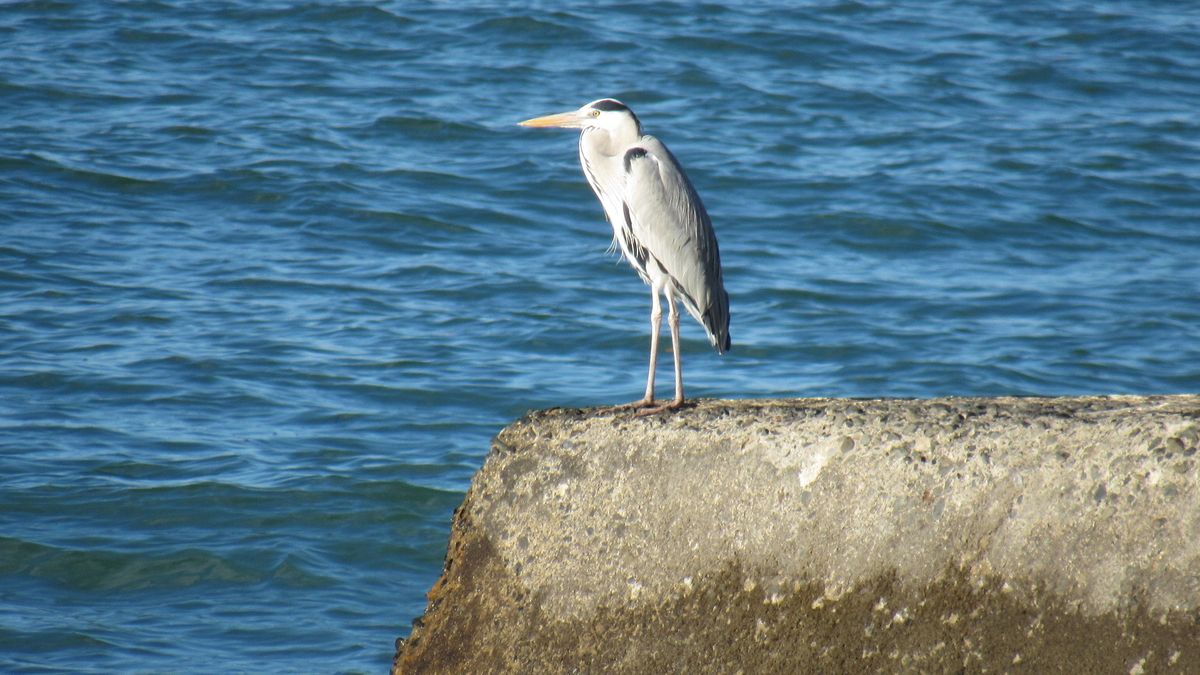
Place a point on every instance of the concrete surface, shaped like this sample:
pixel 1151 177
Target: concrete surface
pixel 829 535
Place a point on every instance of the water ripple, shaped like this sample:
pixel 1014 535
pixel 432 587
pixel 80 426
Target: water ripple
pixel 274 273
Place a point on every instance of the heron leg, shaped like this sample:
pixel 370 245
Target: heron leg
pixel 673 322
pixel 655 329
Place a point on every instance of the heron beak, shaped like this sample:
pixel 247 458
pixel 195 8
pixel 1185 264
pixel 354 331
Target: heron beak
pixel 567 120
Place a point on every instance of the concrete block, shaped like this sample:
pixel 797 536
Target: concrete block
pixel 829 535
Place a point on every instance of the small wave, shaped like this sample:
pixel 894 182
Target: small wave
pixel 98 570
pixel 69 172
pixel 287 286
pixel 529 29
pixel 424 127
pixel 186 131
pixel 318 16
pixel 147 36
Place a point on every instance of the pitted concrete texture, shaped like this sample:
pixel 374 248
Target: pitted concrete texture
pixel 829 535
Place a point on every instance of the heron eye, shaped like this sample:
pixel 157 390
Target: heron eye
pixel 595 113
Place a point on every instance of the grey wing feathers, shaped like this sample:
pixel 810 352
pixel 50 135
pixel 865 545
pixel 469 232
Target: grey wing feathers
pixel 668 219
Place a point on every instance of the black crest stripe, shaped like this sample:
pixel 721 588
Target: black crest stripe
pixel 609 105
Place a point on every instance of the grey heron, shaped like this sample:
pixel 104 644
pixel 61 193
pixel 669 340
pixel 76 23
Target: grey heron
pixel 659 224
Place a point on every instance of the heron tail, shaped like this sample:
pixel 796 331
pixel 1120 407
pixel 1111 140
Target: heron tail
pixel 716 323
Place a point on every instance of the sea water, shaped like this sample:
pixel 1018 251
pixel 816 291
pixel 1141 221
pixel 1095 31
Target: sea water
pixel 273 273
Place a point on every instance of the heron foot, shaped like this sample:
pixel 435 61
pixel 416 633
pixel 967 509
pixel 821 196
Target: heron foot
pixel 655 409
pixel 635 405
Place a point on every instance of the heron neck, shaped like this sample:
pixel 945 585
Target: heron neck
pixel 608 142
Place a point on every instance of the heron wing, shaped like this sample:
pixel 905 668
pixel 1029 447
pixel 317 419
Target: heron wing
pixel 667 220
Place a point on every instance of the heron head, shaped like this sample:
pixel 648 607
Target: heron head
pixel 606 113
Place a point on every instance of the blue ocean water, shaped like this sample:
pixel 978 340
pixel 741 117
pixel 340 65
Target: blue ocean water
pixel 272 274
